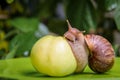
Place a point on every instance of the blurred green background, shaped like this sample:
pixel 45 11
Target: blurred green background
pixel 23 22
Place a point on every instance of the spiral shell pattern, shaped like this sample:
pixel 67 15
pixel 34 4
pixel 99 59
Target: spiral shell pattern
pixel 101 58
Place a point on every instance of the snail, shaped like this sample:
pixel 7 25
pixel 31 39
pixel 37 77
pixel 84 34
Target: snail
pixel 101 58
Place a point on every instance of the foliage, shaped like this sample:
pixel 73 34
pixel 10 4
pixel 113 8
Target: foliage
pixel 117 15
pixel 20 19
pixel 25 24
pixel 86 14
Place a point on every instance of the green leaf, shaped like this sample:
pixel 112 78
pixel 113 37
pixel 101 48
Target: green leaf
pixel 110 4
pixel 25 24
pixel 117 15
pixel 90 18
pixel 22 69
pixel 81 14
pixel 11 54
pixel 24 41
pixel 9 1
pixel 75 12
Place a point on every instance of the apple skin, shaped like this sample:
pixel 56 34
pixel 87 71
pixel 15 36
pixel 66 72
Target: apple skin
pixel 53 56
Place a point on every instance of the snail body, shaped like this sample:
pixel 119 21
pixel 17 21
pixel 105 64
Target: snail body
pixel 76 40
pixel 101 57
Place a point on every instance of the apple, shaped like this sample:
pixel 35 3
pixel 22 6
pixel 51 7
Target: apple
pixel 53 56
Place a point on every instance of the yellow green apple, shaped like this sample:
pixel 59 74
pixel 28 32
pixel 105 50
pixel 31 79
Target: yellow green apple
pixel 53 56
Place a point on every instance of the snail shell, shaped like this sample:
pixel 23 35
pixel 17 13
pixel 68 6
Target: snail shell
pixel 102 56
